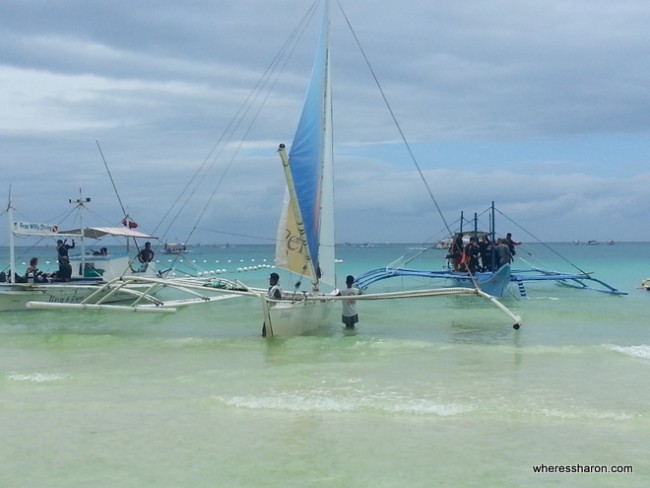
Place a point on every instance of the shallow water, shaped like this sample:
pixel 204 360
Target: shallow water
pixel 424 393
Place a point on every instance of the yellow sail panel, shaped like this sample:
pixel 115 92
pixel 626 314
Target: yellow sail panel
pixel 290 250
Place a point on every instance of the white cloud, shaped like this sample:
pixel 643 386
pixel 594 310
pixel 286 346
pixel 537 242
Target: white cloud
pixel 540 106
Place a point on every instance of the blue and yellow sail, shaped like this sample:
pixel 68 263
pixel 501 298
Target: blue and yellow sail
pixel 306 231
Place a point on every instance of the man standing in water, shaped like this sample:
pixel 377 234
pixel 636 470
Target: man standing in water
pixel 350 315
pixel 275 293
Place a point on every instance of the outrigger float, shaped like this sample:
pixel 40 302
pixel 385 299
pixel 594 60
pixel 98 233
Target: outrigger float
pixel 498 283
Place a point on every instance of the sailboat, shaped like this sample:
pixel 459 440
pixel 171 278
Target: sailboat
pixel 305 236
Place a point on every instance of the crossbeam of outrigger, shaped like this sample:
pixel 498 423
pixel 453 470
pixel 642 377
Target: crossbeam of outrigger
pixel 146 292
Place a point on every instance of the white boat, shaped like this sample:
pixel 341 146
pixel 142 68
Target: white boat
pixel 305 237
pixel 103 280
pixel 90 270
pixel 174 248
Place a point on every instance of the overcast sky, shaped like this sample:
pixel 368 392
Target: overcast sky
pixel 542 106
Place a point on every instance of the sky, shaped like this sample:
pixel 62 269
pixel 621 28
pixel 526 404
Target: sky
pixel 540 106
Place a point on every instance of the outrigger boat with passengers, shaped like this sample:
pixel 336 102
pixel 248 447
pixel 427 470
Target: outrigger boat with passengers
pixel 96 278
pixel 88 269
pixel 498 283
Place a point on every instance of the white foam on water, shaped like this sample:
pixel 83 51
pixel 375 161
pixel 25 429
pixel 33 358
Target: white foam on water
pixel 326 402
pixel 429 407
pixel 290 402
pixel 35 377
pixel 642 351
pixel 586 414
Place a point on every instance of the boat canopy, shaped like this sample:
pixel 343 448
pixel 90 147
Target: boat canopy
pixel 99 232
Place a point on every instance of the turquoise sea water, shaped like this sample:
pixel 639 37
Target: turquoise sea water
pixel 426 392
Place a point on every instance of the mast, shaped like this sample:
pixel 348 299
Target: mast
pixel 80 204
pixel 493 237
pixel 326 251
pixel 12 250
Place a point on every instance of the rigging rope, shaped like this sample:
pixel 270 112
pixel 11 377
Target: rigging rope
pixel 101 153
pixel 392 114
pixel 270 75
pixel 117 194
pixel 541 242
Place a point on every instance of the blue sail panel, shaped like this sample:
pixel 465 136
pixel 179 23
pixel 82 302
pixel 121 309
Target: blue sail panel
pixel 306 153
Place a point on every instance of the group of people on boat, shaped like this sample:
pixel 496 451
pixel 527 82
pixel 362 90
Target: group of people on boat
pixel 35 275
pixel 64 273
pixel 481 254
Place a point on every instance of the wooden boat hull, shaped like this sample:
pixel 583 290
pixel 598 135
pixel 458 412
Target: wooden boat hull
pixel 16 296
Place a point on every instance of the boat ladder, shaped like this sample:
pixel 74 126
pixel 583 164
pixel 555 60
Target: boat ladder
pixel 522 289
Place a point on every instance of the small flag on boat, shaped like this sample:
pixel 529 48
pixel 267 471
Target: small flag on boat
pixel 131 224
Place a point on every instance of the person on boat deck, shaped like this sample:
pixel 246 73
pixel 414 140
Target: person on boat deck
pixel 275 293
pixel 472 252
pixel 33 275
pixel 146 255
pixel 456 251
pixel 511 244
pixel 349 314
pixel 504 256
pixel 65 270
pixel 102 252
pixel 485 250
pixel 62 248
